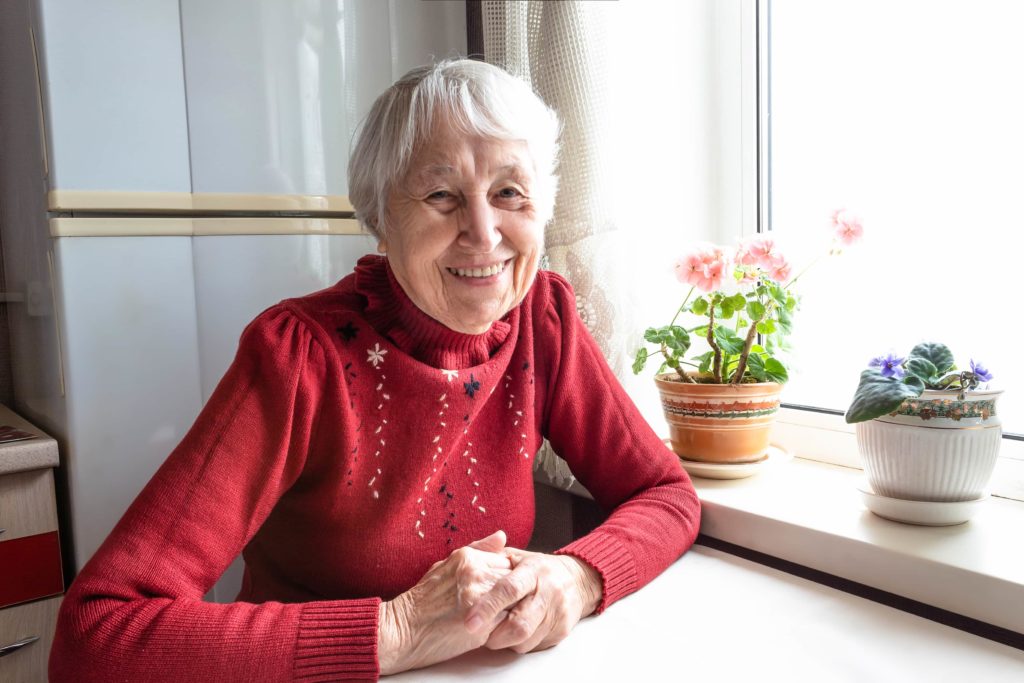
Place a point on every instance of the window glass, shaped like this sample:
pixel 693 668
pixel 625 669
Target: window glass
pixel 911 114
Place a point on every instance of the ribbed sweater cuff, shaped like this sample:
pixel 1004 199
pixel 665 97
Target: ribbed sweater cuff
pixel 337 641
pixel 611 560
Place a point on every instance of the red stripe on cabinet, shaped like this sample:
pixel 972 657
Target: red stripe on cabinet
pixel 30 568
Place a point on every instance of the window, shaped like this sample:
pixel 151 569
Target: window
pixel 908 113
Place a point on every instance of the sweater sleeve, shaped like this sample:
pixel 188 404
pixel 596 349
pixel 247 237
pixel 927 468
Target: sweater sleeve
pixel 611 449
pixel 136 610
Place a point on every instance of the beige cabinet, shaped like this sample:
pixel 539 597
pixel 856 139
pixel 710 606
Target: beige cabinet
pixel 31 584
pixel 28 630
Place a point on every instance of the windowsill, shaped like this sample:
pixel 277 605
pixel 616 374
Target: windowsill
pixel 811 514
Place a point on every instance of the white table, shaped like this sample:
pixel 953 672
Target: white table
pixel 716 617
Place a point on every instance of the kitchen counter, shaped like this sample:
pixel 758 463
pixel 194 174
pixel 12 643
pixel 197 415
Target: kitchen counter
pixel 716 617
pixel 30 454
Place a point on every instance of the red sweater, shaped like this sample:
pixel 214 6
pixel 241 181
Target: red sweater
pixel 353 442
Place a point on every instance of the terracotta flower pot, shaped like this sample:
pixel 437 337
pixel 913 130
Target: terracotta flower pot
pixel 725 423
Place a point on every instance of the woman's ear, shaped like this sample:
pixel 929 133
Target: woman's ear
pixel 382 246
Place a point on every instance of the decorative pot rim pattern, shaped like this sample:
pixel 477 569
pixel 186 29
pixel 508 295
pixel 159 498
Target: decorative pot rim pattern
pixel 722 409
pixel 953 409
pixel 712 387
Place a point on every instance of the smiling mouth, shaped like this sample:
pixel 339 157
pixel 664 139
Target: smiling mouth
pixel 487 271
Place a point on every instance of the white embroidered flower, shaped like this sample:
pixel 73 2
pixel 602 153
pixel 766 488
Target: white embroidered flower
pixel 375 355
pixel 450 374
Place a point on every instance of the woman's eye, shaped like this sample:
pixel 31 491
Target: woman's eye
pixel 509 193
pixel 439 195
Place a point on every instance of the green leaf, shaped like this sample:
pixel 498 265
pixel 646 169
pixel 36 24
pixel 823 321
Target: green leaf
pixel 653 335
pixel 755 366
pixel 725 310
pixel 677 339
pixel 877 395
pixel 939 354
pixel 640 361
pixel 785 320
pixel 705 360
pixel 755 309
pixel 738 301
pixel 663 368
pixel 915 383
pixel 728 340
pixel 922 368
pixel 767 326
pixel 950 381
pixel 775 370
pixel 757 348
pixel 792 301
pixel 699 306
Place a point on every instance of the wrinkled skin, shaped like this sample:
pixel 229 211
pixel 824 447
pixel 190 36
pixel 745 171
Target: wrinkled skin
pixel 485 594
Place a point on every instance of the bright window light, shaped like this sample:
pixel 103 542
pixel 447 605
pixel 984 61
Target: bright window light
pixel 911 114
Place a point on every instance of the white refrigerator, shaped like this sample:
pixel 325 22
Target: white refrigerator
pixel 173 168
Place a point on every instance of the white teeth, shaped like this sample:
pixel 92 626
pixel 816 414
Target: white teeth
pixel 478 272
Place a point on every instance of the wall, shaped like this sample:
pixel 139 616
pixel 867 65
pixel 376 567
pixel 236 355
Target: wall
pixel 6 390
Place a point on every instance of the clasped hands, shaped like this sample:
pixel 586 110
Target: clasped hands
pixel 486 594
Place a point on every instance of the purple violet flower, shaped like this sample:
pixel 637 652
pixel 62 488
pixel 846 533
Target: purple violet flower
pixel 889 365
pixel 981 372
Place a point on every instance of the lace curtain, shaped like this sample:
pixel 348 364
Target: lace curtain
pixel 560 47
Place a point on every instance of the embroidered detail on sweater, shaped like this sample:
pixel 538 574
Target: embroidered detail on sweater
pixel 450 374
pixel 437 449
pixel 348 332
pixel 472 386
pixel 375 355
pixel 516 415
pixel 377 433
pixel 348 375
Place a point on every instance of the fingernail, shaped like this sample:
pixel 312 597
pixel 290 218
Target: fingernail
pixel 474 624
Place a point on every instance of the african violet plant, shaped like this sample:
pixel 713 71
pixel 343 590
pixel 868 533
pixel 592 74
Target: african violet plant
pixel 739 295
pixel 890 380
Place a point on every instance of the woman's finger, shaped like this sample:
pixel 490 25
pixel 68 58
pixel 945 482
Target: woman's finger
pixel 492 544
pixel 523 625
pixel 505 593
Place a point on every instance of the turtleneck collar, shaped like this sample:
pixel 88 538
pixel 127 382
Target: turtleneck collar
pixel 393 314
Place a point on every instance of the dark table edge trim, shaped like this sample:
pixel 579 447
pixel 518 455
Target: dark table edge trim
pixel 930 612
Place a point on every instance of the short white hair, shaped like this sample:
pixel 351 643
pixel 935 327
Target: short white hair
pixel 474 98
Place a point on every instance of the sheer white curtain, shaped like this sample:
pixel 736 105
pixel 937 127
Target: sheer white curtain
pixel 650 95
pixel 561 48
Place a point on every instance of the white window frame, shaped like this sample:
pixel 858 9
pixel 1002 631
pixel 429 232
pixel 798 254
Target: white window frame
pixel 809 433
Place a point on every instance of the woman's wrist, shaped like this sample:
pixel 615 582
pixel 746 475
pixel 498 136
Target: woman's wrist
pixel 390 638
pixel 589 584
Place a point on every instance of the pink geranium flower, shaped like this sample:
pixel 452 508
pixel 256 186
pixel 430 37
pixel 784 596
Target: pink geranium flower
pixel 848 227
pixel 714 274
pixel 704 268
pixel 764 252
pixel 780 270
pixel 744 255
pixel 689 268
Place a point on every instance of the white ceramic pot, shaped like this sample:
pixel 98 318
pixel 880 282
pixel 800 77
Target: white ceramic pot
pixel 936 447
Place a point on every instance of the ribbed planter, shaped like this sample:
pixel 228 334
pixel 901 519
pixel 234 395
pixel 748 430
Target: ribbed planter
pixel 723 423
pixel 934 448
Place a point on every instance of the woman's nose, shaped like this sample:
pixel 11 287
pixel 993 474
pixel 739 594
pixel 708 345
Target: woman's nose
pixel 479 229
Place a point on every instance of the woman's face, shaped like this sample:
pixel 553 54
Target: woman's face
pixel 463 234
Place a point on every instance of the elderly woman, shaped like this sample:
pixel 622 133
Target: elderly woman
pixel 370 450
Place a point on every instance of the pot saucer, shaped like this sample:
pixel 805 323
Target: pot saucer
pixel 921 512
pixel 738 470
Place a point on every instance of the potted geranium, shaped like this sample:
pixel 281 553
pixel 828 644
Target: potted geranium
pixel 720 403
pixel 927 430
